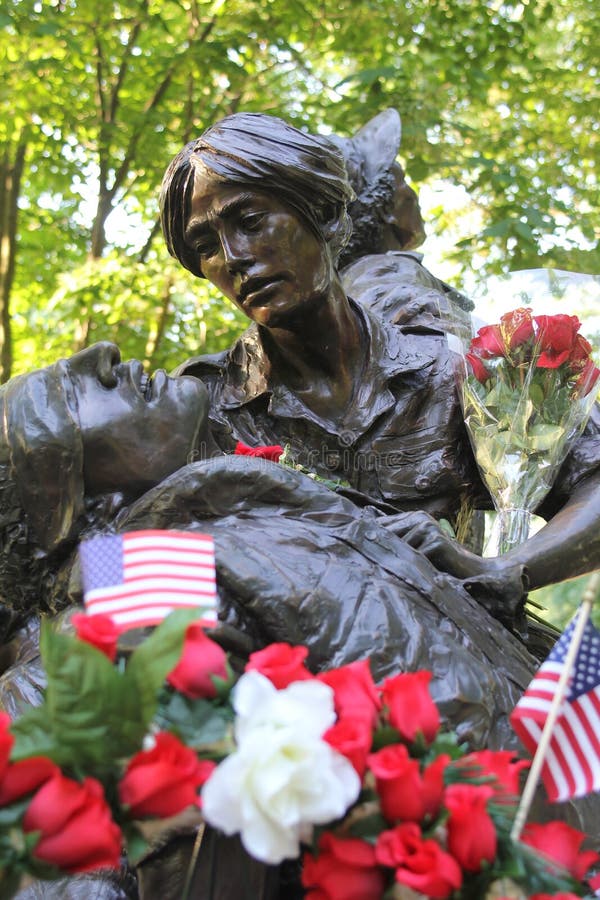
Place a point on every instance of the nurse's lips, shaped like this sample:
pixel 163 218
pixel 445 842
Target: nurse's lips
pixel 255 288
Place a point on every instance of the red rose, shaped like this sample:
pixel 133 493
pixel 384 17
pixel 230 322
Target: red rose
pixel 422 865
pixel 24 777
pixel 163 781
pixel 100 631
pixel 479 370
pixel 472 836
pixel 411 709
pixel 502 765
pixel 352 738
pixel 6 741
pixel 580 353
pixel 433 784
pixel 587 379
pixel 272 452
pixel 396 845
pixel 345 869
pixel 201 658
pixel 398 783
pixel 516 327
pixel 562 896
pixel 77 830
pixel 560 843
pixel 556 337
pixel 405 794
pixel 488 342
pixel 354 691
pixel 281 664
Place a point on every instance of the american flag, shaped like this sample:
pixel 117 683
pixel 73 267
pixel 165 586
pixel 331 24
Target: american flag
pixel 139 577
pixel 572 763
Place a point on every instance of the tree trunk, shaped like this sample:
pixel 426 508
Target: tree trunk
pixel 11 170
pixel 156 335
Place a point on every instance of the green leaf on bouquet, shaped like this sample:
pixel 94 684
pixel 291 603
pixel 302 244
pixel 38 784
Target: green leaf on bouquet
pixel 137 845
pixel 197 722
pixel 85 703
pixel 536 393
pixel 544 437
pixel 158 655
pixel 33 735
pixel 11 815
pixel 10 879
pixel 92 712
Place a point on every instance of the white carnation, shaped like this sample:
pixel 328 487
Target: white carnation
pixel 283 778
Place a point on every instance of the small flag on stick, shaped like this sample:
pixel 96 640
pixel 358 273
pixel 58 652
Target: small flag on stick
pixel 570 764
pixel 139 577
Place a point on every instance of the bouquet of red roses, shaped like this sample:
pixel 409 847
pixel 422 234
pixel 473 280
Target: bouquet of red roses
pixel 356 777
pixel 527 390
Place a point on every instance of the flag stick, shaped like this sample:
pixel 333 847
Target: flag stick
pixel 561 689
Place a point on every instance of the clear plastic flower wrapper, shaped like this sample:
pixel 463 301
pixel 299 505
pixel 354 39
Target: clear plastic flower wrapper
pixel 527 385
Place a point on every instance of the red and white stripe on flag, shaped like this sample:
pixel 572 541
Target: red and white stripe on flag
pixel 139 577
pixel 571 765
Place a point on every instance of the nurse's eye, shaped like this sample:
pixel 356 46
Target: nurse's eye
pixel 206 247
pixel 252 221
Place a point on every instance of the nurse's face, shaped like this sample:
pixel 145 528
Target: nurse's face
pixel 135 430
pixel 257 250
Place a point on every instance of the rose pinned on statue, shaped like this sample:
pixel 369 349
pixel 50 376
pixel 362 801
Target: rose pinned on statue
pixel 527 387
pixel 272 451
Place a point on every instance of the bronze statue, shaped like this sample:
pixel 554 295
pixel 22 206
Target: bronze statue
pixel 296 561
pixel 80 438
pixel 260 209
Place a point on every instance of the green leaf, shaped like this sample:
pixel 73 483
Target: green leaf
pixel 197 722
pixel 83 698
pixel 9 882
pixel 10 815
pixel 158 655
pixel 137 845
pixel 34 735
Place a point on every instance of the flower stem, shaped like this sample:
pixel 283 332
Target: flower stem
pixel 512 529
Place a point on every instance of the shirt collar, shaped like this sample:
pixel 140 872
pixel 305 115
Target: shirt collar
pixel 248 375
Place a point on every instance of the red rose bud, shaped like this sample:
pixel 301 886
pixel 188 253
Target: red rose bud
pixel 6 741
pixel 354 691
pixel 24 777
pixel 272 452
pixel 587 379
pixel 489 342
pixel 560 843
pixel 404 793
pixel 556 337
pixel 345 869
pixel 516 327
pixel 501 765
pixel 580 353
pixel 352 738
pixel 557 333
pixel 77 832
pixel 100 631
pixel 396 845
pixel 472 836
pixel 411 709
pixel 281 663
pixel 477 367
pixel 421 865
pixel 163 781
pixel 563 895
pixel 201 659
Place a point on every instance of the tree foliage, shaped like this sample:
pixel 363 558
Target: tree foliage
pixel 500 98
